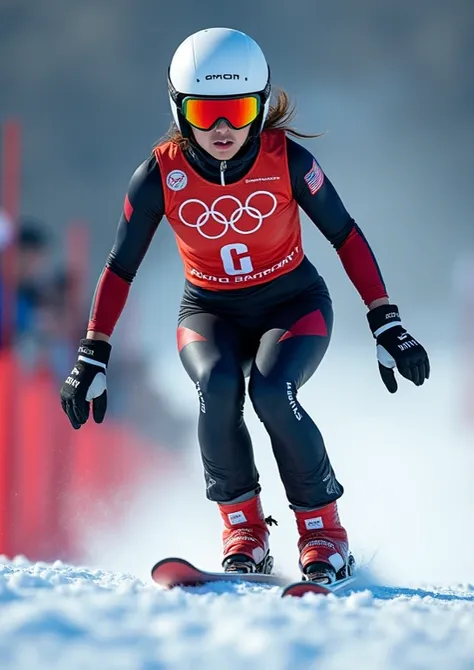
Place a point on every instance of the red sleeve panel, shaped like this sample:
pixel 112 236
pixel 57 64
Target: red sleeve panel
pixel 142 212
pixel 318 198
pixel 361 267
pixel 109 300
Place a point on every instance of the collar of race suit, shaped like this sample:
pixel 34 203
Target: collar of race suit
pixel 210 168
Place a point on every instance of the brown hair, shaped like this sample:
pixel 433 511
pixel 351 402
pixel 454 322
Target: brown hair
pixel 280 117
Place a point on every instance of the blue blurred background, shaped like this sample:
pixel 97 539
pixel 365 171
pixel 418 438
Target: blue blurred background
pixel 391 85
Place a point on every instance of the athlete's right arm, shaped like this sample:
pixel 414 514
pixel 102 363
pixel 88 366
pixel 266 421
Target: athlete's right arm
pixel 142 212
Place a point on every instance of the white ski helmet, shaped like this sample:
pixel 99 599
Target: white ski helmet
pixel 218 62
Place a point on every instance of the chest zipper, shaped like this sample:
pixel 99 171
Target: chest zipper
pixel 223 169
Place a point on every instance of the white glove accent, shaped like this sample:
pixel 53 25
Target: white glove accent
pixel 98 386
pixel 92 362
pixel 384 357
pixel 387 326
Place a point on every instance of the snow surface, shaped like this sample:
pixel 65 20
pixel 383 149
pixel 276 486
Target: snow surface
pixel 406 463
pixel 61 617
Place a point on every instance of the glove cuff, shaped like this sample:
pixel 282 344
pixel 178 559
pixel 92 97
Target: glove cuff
pixel 382 318
pixel 96 352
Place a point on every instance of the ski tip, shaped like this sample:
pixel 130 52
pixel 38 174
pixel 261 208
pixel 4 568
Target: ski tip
pixel 300 589
pixel 173 571
pixel 171 559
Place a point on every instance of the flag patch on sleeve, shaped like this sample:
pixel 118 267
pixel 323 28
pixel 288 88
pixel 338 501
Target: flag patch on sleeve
pixel 314 178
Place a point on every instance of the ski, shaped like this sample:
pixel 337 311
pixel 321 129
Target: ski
pixel 299 589
pixel 171 572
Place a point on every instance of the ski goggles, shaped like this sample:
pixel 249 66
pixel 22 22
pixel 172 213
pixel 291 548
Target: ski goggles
pixel 204 113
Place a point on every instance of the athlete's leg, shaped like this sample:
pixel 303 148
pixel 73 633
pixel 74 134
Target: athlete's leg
pixel 213 352
pixel 291 348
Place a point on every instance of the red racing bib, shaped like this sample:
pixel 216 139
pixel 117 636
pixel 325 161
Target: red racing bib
pixel 236 235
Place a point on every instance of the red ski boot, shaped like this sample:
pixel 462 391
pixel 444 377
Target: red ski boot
pixel 323 545
pixel 246 537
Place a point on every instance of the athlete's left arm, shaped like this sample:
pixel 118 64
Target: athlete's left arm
pixel 318 198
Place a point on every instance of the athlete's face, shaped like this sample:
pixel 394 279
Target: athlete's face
pixel 222 142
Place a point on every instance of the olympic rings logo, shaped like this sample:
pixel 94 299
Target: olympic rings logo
pixel 213 213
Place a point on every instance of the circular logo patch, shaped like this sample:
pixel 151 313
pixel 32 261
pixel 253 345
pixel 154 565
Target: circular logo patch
pixel 176 180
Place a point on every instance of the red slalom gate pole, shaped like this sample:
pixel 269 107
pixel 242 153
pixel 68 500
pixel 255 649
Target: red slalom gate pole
pixel 35 528
pixel 8 371
pixel 65 438
pixel 10 202
pixel 11 157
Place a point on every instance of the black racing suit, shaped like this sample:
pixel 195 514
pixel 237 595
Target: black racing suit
pixel 275 333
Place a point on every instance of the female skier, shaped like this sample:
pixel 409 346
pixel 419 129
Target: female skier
pixel 229 181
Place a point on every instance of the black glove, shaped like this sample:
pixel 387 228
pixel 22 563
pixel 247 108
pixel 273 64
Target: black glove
pixel 86 383
pixel 396 348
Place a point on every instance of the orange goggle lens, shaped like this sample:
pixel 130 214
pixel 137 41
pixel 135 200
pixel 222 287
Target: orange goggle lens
pixel 203 113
